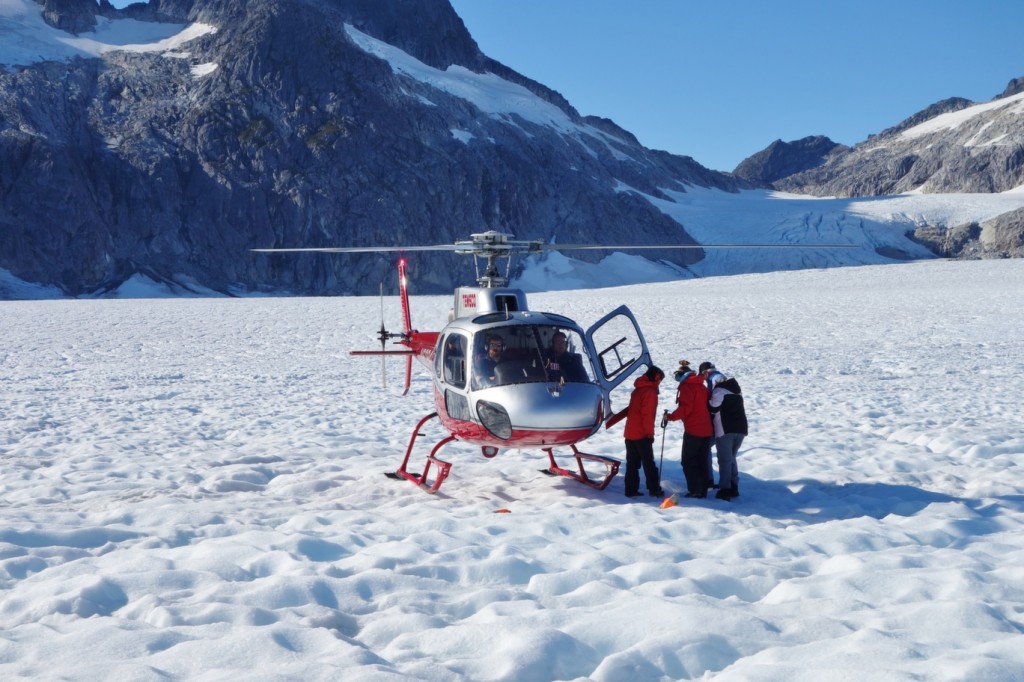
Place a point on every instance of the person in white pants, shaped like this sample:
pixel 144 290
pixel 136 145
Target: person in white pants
pixel 729 418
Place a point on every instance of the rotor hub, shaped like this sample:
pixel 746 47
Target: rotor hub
pixel 492 245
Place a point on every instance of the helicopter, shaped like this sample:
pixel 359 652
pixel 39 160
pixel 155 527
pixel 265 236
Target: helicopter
pixel 505 376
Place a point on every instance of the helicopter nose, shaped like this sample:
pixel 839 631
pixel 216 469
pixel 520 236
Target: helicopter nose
pixel 548 407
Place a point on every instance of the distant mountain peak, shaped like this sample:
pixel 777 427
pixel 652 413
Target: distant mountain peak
pixel 1014 87
pixel 782 159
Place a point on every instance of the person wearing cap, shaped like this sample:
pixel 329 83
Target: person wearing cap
pixel 711 377
pixel 730 422
pixel 639 434
pixel 692 409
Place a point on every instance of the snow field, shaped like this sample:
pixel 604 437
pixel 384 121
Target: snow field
pixel 193 489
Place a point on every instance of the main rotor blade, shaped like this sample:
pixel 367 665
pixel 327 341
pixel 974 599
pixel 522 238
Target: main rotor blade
pixel 540 246
pixel 361 249
pixel 611 247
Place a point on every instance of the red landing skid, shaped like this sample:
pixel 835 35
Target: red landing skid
pixel 611 468
pixel 443 467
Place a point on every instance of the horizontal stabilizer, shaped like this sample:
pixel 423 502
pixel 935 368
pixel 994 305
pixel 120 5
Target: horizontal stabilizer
pixel 382 352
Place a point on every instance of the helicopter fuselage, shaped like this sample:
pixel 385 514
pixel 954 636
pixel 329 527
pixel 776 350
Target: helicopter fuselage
pixel 537 417
pixel 520 395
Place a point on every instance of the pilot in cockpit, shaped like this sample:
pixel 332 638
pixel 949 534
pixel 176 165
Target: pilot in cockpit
pixel 485 364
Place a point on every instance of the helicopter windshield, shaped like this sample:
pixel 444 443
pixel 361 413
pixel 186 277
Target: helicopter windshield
pixel 517 354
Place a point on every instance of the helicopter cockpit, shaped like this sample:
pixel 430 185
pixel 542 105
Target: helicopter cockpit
pixel 518 354
pixel 514 354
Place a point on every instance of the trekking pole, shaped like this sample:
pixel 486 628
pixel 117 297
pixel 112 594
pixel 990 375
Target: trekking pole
pixel 661 461
pixel 664 425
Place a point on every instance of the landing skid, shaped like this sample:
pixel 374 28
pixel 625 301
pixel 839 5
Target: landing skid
pixel 611 468
pixel 443 467
pixel 611 465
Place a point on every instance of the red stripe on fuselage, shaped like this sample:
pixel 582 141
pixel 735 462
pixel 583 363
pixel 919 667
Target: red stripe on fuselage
pixel 477 434
pixel 471 432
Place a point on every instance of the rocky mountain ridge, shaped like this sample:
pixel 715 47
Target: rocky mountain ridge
pixel 278 128
pixel 277 123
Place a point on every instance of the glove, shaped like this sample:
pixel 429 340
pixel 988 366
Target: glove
pixel 664 419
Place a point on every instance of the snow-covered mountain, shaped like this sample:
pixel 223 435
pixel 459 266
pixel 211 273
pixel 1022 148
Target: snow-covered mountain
pixel 953 146
pixel 158 144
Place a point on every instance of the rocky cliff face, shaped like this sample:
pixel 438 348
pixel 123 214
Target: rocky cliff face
pixel 286 127
pixel 1000 237
pixel 72 16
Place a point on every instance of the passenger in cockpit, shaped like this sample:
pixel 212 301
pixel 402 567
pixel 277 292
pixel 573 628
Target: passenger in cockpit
pixel 561 364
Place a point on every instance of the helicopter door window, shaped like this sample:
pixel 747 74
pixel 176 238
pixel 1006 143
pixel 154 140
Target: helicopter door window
pixel 619 346
pixel 454 361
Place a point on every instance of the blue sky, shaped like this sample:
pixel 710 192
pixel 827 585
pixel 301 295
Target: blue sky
pixel 719 81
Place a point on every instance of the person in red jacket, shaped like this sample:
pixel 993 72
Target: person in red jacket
pixel 692 409
pixel 640 416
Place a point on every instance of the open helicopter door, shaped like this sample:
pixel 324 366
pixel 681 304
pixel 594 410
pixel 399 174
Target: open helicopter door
pixel 617 349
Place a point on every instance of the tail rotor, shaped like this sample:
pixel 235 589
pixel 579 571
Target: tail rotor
pixel 383 335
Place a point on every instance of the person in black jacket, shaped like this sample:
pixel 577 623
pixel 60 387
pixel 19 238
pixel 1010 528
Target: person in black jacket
pixel 561 364
pixel 730 421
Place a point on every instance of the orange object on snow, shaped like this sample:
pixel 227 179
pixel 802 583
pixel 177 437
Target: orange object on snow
pixel 670 501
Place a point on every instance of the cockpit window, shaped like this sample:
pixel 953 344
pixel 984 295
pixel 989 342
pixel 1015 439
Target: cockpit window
pixel 529 353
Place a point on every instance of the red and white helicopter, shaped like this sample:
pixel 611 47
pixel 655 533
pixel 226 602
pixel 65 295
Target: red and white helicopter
pixel 505 376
